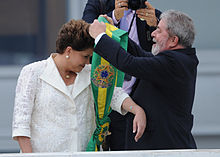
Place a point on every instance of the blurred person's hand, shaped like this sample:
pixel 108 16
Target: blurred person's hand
pixel 109 19
pixel 120 7
pixel 148 14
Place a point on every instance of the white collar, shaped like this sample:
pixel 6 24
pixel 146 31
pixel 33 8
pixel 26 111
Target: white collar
pixel 52 76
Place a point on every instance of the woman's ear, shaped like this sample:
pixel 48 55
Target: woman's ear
pixel 68 50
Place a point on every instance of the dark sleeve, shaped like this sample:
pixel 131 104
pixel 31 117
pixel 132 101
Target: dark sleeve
pixel 136 50
pixel 110 14
pixel 94 8
pixel 92 11
pixel 140 67
pixel 158 13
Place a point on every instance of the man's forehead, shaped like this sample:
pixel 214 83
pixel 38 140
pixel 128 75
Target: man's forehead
pixel 162 24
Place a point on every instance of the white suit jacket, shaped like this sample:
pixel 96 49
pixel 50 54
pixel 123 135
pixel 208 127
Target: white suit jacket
pixel 56 119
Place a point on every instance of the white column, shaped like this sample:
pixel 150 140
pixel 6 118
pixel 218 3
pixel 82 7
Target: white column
pixel 75 9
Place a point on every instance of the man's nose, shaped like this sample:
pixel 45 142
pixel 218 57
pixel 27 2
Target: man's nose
pixel 153 34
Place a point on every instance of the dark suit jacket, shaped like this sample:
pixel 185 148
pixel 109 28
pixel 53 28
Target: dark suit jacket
pixel 165 91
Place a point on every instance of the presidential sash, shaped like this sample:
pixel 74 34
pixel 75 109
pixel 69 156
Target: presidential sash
pixel 104 77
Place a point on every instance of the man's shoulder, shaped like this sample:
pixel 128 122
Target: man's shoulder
pixel 185 55
pixel 180 51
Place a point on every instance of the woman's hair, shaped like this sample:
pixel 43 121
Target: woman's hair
pixel 181 25
pixel 75 34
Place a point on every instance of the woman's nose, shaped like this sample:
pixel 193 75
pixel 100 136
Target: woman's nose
pixel 88 60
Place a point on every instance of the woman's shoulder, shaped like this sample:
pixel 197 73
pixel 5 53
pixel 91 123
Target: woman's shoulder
pixel 35 67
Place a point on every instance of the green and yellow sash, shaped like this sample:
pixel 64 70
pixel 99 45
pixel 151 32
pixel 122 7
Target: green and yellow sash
pixel 104 77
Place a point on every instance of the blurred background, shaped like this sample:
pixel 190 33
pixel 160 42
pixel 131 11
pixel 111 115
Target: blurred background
pixel 28 30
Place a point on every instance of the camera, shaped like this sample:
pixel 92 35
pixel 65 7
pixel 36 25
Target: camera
pixel 136 4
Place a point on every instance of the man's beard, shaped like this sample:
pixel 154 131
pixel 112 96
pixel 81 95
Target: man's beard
pixel 155 49
pixel 158 47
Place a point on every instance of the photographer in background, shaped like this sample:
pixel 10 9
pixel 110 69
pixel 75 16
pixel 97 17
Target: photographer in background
pixel 140 19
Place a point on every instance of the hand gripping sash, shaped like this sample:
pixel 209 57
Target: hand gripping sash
pixel 104 77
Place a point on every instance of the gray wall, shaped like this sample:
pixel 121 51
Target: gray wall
pixel 8 77
pixel 206 106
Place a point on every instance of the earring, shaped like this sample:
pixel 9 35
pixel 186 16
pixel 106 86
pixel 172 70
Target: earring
pixel 67 57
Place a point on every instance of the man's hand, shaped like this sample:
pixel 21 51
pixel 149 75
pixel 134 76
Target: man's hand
pixel 96 28
pixel 120 7
pixel 148 14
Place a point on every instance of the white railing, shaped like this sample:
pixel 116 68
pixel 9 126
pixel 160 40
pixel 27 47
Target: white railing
pixel 156 153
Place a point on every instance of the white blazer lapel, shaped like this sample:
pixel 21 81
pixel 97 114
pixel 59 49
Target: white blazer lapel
pixel 82 81
pixel 52 76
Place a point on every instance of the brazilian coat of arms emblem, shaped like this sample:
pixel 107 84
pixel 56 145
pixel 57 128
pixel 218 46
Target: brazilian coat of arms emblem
pixel 103 76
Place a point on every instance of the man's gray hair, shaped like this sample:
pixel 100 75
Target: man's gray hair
pixel 181 25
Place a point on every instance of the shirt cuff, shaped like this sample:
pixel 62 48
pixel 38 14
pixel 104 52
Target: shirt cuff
pixel 120 101
pixel 20 132
pixel 99 37
pixel 114 19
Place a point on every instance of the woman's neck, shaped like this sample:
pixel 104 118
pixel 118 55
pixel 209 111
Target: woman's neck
pixel 67 75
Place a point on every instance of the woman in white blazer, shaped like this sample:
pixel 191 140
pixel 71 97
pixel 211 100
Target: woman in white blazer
pixel 54 106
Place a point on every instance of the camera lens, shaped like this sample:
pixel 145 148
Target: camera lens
pixel 142 4
pixel 136 4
